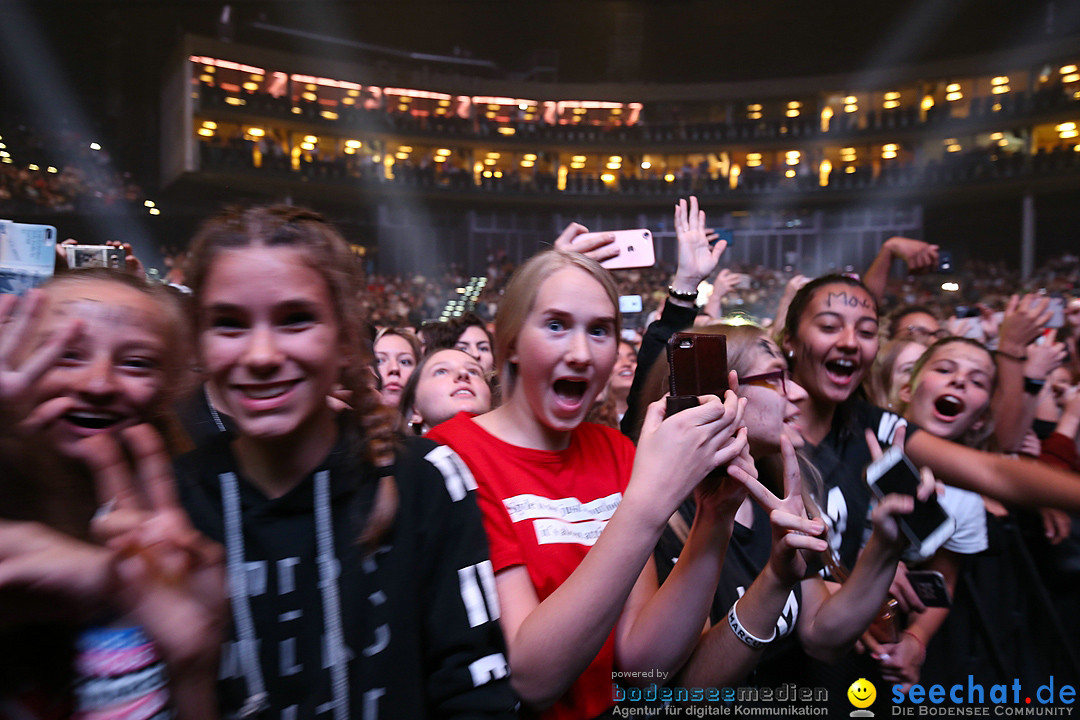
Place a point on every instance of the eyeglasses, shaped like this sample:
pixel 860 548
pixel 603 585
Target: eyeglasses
pixel 777 380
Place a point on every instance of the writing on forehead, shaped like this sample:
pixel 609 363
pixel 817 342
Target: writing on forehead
pixel 87 308
pixel 769 349
pixel 843 299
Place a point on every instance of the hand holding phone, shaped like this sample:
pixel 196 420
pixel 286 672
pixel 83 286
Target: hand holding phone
pixel 635 247
pixel 698 366
pixel 928 525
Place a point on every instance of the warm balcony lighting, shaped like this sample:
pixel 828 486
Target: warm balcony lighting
pixel 794 105
pixel 155 211
pixel 491 154
pixel 1003 142
pixel 607 178
pixel 927 102
pixel 950 286
pixel 507 131
pixel 251 86
pixel 890 104
pixel 578 158
pixel 210 124
pixel 645 165
pixel 823 172
pixel 439 158
pixel 498 173
pixel 531 157
pixel 851 108
pixel 999 89
pixel 952 87
pixel 996 136
pixel 487 173
pixel 954 96
pixel 1065 127
pixel 670 177
pixel 1067 69
pixel 1000 80
pixel 311 139
pixel 849 169
pixel 256 132
pixel 444 152
pixel 329 114
pixel 32 166
pixel 756 107
pixel 1068 134
pixel 577 165
pixel 754 115
pixel 206 132
pixel 793 113
pixel 893 95
pixel 307 146
pixel 296 111
pixel 733 176
pixel 1071 77
pixel 527 163
pixel 310 96
pixel 789 173
pixel 235 101
pixel 51 169
pixel 354 93
pixel 354 144
pixel 489 161
pixel 211 69
pixel 953 148
pixel 206 79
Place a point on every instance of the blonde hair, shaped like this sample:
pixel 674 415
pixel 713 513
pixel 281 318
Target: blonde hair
pixel 520 296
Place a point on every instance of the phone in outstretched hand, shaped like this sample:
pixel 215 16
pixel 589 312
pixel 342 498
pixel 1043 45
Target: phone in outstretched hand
pixel 928 525
pixel 635 248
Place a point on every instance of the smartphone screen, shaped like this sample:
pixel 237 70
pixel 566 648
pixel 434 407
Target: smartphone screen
pixel 894 473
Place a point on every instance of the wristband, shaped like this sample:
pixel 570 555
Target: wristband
pixel 744 634
pixel 684 296
pixel 1017 358
pixel 1033 386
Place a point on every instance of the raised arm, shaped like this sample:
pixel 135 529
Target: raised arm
pixel 918 255
pixel 552 642
pixel 1010 404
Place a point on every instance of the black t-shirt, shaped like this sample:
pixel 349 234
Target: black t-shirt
pixel 841 458
pixel 747 555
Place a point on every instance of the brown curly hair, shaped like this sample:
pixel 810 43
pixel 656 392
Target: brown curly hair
pixel 368 424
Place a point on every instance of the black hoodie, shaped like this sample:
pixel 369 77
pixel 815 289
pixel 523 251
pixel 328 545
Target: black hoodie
pixel 323 629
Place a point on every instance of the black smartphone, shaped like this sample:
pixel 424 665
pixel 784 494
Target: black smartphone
pixel 928 525
pixel 931 588
pixel 698 363
pixel 723 234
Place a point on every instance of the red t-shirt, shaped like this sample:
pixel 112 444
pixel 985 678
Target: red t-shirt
pixel 544 510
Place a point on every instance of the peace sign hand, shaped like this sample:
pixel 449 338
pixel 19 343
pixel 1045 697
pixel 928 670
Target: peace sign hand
pixel 172 578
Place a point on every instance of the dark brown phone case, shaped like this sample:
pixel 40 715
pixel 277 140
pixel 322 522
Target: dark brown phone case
pixel 698 363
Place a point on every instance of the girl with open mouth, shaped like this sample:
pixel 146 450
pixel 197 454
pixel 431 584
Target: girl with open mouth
pixel 572 513
pixel 86 623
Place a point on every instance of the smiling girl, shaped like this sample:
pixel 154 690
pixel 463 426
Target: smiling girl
pixel 579 604
pixel 357 566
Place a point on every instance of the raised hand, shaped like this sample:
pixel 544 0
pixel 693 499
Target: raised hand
pixel 21 369
pixel 172 578
pixel 599 247
pixel 697 260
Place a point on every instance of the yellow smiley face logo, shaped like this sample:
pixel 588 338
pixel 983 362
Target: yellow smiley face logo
pixel 862 693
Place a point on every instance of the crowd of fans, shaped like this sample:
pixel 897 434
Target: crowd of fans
pixel 309 520
pixel 60 172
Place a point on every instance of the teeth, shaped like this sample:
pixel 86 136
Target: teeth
pixel 84 415
pixel 844 363
pixel 266 392
pixel 463 393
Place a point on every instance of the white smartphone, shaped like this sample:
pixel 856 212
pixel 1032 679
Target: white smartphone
pixel 635 248
pixel 928 525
